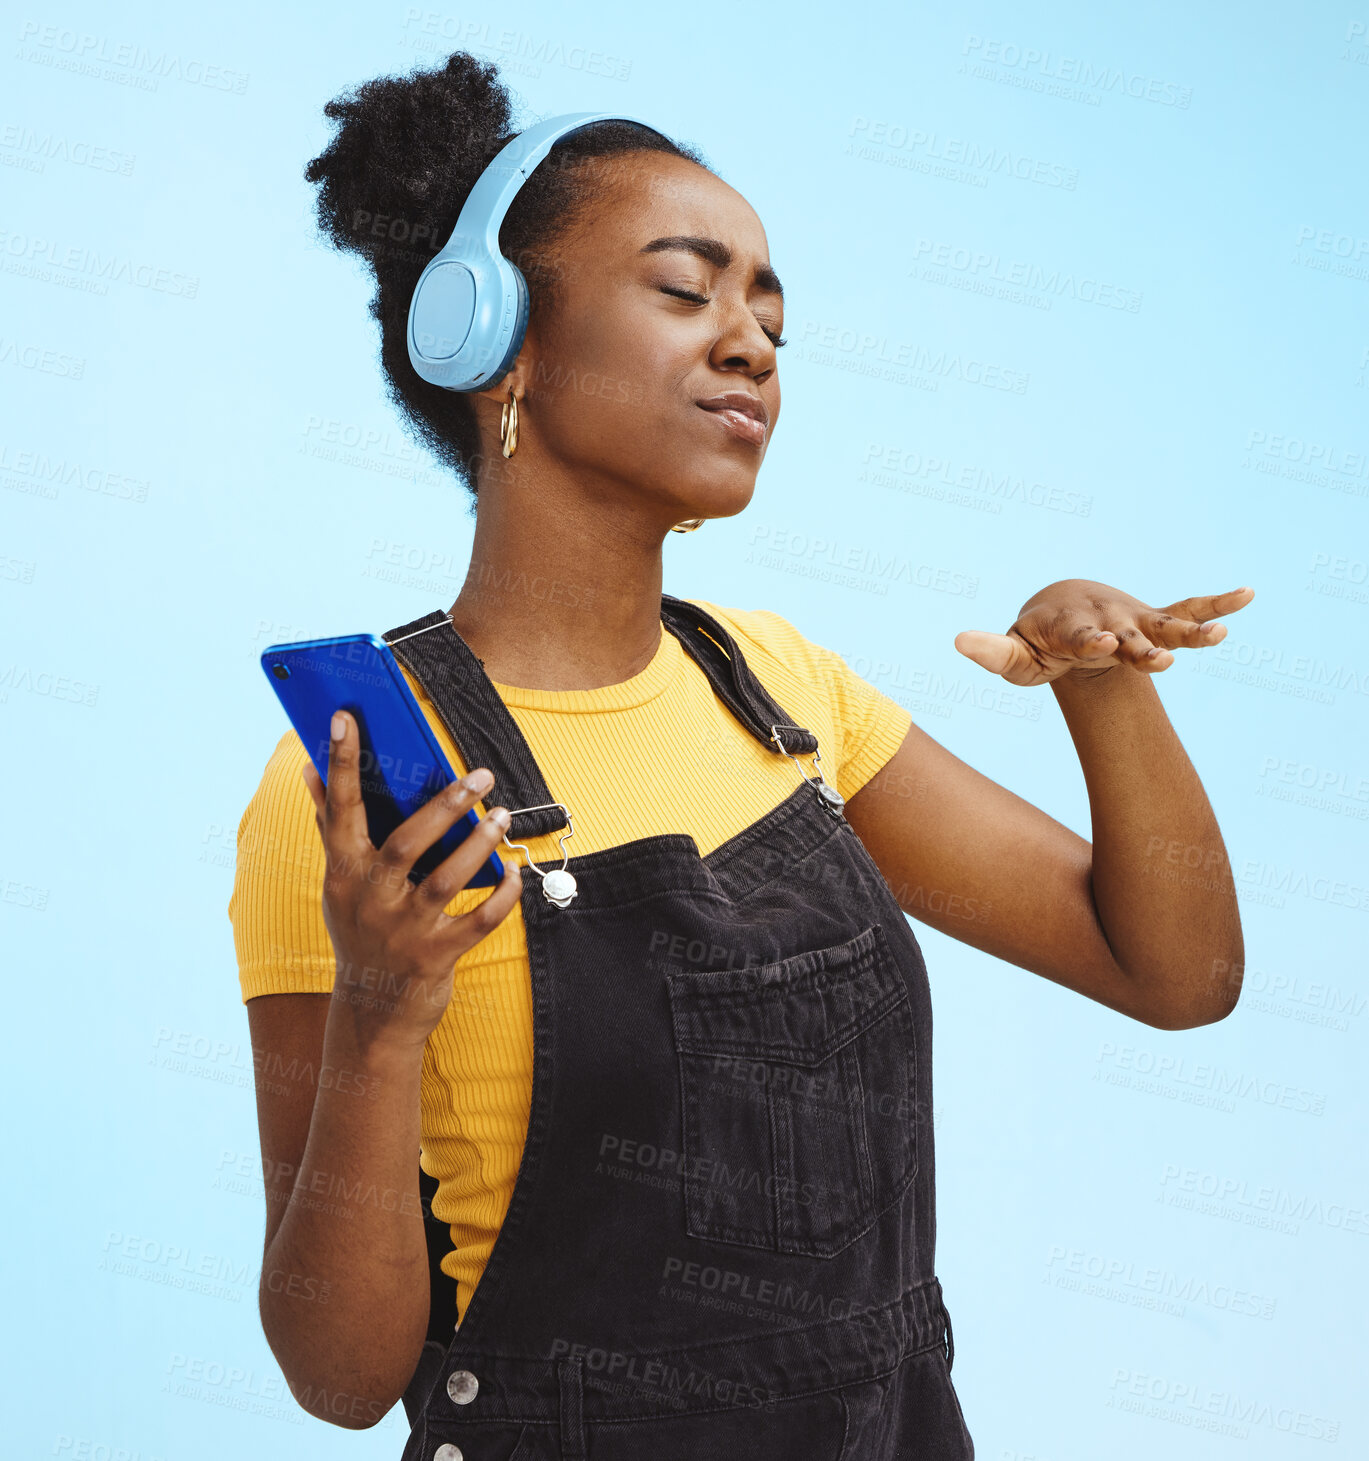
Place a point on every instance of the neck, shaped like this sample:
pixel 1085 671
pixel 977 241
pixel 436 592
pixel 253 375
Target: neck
pixel 559 597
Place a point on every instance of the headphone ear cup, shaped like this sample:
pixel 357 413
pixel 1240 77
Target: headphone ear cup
pixel 441 312
pixel 520 321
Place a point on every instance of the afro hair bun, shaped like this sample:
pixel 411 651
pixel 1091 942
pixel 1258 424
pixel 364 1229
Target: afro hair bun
pixel 405 153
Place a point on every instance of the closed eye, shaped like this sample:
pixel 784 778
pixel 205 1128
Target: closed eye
pixel 776 340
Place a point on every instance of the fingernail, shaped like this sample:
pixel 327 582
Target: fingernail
pixel 478 781
pixel 500 815
pixel 338 726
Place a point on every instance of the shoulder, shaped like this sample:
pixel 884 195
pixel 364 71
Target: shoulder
pixel 768 638
pixel 787 663
pixel 281 793
pixel 278 930
pixel 767 631
pixel 278 834
pixel 808 678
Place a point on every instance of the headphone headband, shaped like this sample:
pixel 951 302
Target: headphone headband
pixel 469 310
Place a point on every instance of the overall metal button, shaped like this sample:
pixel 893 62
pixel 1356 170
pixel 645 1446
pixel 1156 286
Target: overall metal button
pixel 559 886
pixel 448 1452
pixel 462 1387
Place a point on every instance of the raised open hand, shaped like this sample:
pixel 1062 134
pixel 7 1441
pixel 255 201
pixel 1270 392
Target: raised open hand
pixel 1077 626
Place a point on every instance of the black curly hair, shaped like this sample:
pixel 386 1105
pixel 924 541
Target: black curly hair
pixel 406 152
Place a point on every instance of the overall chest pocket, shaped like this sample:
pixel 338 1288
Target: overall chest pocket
pixel 797 1080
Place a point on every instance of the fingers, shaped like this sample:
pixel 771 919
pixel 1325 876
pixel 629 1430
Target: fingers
pixel 1202 607
pixel 412 838
pixel 1139 651
pixel 344 815
pixel 314 782
pixel 1002 654
pixel 1123 641
pixel 1028 659
pixel 1178 633
pixel 457 869
pixel 1189 624
pixel 1049 640
pixel 468 929
pixel 1065 637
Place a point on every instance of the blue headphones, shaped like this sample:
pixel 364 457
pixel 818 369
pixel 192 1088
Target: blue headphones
pixel 469 310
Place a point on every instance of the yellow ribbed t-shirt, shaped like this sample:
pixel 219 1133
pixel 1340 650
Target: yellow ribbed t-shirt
pixel 657 753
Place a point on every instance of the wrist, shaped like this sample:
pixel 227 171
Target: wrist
pixel 353 1038
pixel 1087 678
pixel 1114 685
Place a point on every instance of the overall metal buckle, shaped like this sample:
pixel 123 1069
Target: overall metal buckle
pixel 558 886
pixel 828 795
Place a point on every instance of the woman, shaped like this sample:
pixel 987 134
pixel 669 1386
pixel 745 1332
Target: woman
pixel 688 1091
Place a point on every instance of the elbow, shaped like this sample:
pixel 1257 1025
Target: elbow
pixel 335 1398
pixel 1188 1004
pixel 339 1406
pixel 1187 1019
pixel 1191 1013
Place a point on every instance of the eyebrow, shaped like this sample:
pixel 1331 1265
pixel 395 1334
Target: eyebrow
pixel 715 252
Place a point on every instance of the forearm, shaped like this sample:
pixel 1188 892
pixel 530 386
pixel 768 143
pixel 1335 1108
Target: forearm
pixel 1161 878
pixel 344 1293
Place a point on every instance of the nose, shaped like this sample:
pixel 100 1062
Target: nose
pixel 742 345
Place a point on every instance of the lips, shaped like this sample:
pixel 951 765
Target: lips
pixel 743 414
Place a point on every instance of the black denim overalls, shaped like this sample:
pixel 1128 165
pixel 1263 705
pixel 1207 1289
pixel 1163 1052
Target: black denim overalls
pixel 721 1239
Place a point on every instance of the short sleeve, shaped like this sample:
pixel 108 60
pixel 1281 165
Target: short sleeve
pixel 872 724
pixel 276 907
pixel 869 725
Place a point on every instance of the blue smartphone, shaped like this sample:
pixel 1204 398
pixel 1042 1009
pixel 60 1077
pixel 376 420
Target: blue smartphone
pixel 401 765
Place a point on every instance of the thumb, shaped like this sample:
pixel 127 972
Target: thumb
pixel 999 653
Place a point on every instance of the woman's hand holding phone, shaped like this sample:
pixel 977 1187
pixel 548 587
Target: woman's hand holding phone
pixel 395 946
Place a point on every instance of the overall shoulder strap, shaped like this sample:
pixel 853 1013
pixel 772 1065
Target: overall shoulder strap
pixel 477 719
pixel 718 655
pixel 487 735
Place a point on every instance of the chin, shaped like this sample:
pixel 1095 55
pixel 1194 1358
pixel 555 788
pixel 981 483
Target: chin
pixel 718 495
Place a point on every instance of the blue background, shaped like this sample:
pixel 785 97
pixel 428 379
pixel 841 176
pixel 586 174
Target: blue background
pixel 1151 230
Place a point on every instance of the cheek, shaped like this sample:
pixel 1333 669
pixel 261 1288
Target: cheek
pixel 603 374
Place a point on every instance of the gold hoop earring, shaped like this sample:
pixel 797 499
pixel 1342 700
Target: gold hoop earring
pixel 689 524
pixel 508 424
